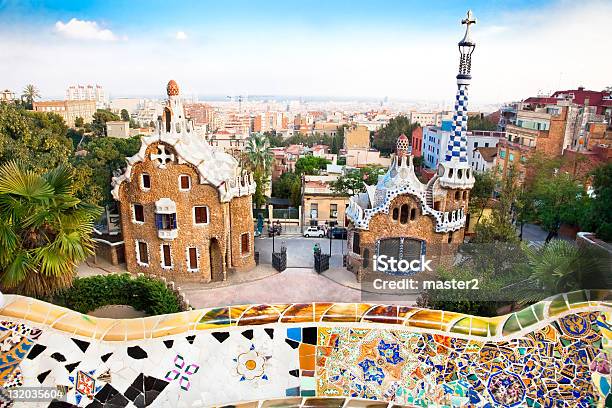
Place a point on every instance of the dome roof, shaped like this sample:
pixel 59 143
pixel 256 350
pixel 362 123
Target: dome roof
pixel 172 88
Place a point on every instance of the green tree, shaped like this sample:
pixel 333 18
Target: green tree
pixel 125 115
pixel 37 140
pixel 481 122
pixel 385 139
pixel 354 180
pixel 601 212
pixel 45 231
pixel 558 199
pixel 29 94
pixel 499 227
pixel 274 139
pixel 79 122
pixel 296 192
pixel 282 187
pixel 259 157
pixel 481 193
pixel 562 266
pixel 98 124
pixel 310 165
pixel 104 155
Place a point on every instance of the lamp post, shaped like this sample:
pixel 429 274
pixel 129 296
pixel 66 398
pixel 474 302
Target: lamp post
pixel 331 233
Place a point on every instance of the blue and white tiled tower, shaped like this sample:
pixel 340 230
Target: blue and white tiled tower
pixel 455 171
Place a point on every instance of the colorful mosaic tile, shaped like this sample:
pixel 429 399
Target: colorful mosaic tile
pixel 552 354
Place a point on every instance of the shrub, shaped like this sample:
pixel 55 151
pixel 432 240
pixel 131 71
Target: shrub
pixel 142 293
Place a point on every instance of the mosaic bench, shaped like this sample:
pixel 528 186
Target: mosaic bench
pixel 555 353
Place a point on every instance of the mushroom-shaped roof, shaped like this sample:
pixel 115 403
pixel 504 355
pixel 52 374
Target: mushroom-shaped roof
pixel 172 88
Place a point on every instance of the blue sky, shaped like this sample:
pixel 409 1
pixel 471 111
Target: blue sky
pixel 398 49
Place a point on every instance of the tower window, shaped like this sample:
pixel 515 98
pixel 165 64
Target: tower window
pixel 404 214
pixel 450 237
pixel 145 181
pixel 138 212
pixel 142 253
pixel 395 213
pixel 465 195
pixel 245 245
pixel 456 195
pixel 192 258
pixel 200 215
pixel 166 256
pixel 184 182
pixel 168 119
pixel 412 214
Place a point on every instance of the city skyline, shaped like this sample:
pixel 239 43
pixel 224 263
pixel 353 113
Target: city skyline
pixel 344 50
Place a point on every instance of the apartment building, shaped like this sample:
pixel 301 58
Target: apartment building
pixel 69 110
pixel 87 93
pixel 320 204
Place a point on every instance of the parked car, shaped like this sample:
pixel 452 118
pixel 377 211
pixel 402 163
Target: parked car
pixel 337 233
pixel 314 232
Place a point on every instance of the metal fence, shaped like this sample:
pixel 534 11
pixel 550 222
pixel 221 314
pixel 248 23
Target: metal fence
pixel 285 213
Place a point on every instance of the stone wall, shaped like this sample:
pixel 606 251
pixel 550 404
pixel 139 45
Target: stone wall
pixel 555 353
pixel 215 234
pixel 438 248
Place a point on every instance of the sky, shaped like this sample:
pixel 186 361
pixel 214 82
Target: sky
pixel 398 49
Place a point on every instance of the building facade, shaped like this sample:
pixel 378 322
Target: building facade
pixel 356 137
pixel 69 110
pixel 402 218
pixel 435 140
pixel 417 142
pixel 118 128
pixel 320 204
pixel 7 96
pixel 87 93
pixel 186 208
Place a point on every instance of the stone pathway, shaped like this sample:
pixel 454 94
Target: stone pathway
pixel 266 285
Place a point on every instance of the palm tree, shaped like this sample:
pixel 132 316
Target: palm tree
pixel 30 93
pixel 45 231
pixel 562 266
pixel 259 159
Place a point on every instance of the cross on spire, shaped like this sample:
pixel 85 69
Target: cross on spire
pixel 469 19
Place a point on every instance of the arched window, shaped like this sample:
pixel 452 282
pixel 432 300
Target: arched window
pixel 168 119
pixel 366 258
pixel 459 173
pixel 412 214
pixel 456 195
pixel 465 195
pixel 395 213
pixel 450 237
pixel 404 214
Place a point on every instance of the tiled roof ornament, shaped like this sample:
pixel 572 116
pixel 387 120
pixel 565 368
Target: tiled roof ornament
pixel 172 88
pixel 403 146
pixel 185 145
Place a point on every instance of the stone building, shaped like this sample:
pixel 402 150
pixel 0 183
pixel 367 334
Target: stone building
pixel 186 208
pixel 403 218
pixel 69 110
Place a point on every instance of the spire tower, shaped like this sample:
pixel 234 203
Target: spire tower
pixel 455 171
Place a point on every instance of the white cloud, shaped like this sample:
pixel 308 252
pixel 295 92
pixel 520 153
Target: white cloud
pixel 180 35
pixel 83 30
pixel 558 46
